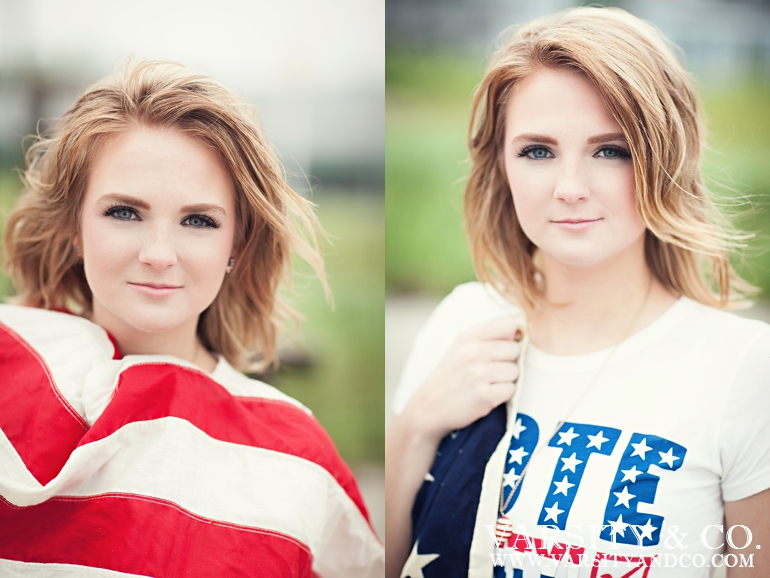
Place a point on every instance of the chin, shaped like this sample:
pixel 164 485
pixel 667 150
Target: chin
pixel 158 323
pixel 576 258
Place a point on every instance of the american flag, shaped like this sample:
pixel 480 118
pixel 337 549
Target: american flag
pixel 445 515
pixel 451 504
pixel 146 466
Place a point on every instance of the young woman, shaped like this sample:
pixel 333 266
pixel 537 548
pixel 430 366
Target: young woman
pixel 594 412
pixel 148 249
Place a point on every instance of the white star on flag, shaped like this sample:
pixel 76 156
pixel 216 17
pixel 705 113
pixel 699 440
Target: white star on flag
pixel 669 458
pixel 517 455
pixel 416 562
pixel 570 463
pixel 597 440
pixel 631 474
pixel 566 437
pixel 646 530
pixel 511 478
pixel 624 497
pixel 618 526
pixel 553 512
pixel 563 486
pixel 517 428
pixel 641 449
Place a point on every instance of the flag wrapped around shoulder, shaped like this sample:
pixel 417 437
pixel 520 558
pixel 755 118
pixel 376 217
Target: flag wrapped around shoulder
pixel 148 466
pixel 456 511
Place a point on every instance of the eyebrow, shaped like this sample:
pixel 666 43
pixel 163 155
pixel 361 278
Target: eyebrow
pixel 597 139
pixel 134 202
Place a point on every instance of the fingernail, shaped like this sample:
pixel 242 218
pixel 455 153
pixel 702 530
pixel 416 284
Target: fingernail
pixel 519 335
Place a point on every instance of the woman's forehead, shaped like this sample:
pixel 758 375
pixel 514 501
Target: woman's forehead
pixel 554 101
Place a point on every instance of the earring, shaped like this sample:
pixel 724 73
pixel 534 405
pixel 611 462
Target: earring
pixel 230 265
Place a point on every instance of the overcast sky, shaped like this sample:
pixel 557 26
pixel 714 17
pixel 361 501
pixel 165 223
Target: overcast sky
pixel 258 45
pixel 315 69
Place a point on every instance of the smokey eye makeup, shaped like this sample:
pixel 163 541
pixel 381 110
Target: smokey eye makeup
pixel 194 221
pixel 540 152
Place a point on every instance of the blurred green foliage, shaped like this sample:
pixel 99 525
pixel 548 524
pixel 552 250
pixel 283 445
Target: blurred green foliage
pixel 343 383
pixel 427 114
pixel 344 386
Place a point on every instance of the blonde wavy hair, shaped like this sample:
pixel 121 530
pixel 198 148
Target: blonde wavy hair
pixel 242 323
pixel 651 96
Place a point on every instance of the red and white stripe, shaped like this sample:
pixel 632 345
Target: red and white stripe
pixel 146 466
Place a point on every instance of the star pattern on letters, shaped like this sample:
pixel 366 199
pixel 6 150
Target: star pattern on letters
pixel 597 440
pixel 517 428
pixel 563 486
pixel 641 449
pixel 646 530
pixel 631 474
pixel 668 458
pixel 553 513
pixel 566 437
pixel 624 497
pixel 517 455
pixel 510 478
pixel 570 463
pixel 618 526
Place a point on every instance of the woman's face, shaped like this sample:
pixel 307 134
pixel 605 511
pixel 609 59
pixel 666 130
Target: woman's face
pixel 570 172
pixel 158 223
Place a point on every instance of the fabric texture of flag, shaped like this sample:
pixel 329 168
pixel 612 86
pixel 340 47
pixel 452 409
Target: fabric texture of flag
pixel 147 466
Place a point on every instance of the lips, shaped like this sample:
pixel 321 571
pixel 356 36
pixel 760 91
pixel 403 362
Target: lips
pixel 155 290
pixel 575 224
pixel 575 221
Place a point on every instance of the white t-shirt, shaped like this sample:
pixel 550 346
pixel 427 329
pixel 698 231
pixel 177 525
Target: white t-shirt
pixel 675 424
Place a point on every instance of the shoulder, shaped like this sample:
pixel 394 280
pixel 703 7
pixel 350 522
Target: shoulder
pixel 48 352
pixel 288 427
pixel 292 425
pixel 45 328
pixel 238 385
pixel 735 335
pixel 472 303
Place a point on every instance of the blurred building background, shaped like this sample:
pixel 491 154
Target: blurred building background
pixel 313 69
pixel 722 39
pixel 436 53
pixel 315 73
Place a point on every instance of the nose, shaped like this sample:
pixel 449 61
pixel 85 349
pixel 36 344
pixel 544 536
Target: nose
pixel 158 250
pixel 572 184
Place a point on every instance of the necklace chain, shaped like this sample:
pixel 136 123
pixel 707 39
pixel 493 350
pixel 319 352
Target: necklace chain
pixel 504 506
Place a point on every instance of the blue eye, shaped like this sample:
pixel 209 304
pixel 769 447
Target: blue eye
pixel 200 222
pixel 535 152
pixel 613 153
pixel 122 213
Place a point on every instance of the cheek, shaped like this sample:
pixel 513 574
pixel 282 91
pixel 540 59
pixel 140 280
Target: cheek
pixel 626 202
pixel 105 250
pixel 204 257
pixel 531 195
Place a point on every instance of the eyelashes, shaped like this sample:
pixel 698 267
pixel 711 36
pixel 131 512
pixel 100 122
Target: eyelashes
pixel 616 152
pixel 195 221
pixel 202 221
pixel 121 212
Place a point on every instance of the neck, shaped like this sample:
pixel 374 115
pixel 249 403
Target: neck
pixel 590 308
pixel 181 341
